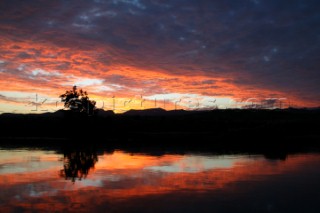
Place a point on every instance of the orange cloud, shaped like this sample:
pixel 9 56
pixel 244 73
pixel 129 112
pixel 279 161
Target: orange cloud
pixel 103 75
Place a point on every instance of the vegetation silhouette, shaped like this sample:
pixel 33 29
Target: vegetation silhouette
pixel 78 101
pixel 77 164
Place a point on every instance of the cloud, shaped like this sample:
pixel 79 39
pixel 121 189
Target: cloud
pixel 8 99
pixel 252 48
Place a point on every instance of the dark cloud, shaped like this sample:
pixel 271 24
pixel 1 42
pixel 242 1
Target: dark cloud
pixel 24 55
pixel 266 44
pixel 10 99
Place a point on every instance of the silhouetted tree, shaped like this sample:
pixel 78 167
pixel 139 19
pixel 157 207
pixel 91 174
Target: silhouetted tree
pixel 77 164
pixel 78 101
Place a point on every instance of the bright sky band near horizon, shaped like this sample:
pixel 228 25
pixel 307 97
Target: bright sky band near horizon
pixel 187 54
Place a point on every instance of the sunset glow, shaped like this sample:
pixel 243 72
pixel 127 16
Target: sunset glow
pixel 168 54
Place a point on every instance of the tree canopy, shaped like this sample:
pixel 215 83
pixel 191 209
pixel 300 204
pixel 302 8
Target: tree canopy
pixel 78 101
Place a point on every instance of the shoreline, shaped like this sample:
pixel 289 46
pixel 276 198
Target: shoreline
pixel 222 129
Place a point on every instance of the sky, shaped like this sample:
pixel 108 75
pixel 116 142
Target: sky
pixel 187 54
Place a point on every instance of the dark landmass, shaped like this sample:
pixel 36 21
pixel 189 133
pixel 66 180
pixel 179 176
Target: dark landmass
pixel 237 130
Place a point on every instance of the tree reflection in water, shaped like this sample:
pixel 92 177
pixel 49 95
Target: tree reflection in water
pixel 77 164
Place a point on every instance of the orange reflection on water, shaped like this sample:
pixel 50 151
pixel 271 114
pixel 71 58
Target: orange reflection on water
pixel 121 176
pixel 149 175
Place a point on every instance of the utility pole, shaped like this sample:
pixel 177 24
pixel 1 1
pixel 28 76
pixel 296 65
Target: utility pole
pixel 114 103
pixel 142 100
pixel 175 104
pixel 36 103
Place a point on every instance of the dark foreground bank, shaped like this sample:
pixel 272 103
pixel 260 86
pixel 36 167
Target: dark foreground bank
pixel 256 129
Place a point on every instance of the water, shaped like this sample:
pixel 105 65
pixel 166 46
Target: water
pixel 89 181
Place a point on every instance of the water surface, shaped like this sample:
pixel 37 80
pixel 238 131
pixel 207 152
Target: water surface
pixel 118 181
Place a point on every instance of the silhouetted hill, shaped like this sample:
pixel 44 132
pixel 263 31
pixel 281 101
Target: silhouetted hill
pixel 59 113
pixel 218 128
pixel 103 113
pixel 160 112
pixel 146 112
pixel 157 112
